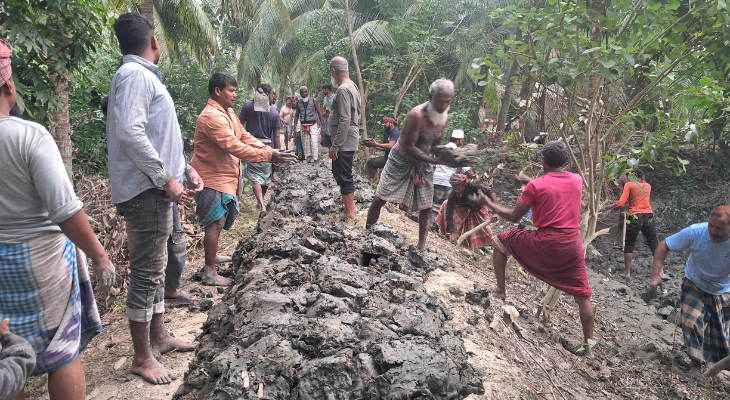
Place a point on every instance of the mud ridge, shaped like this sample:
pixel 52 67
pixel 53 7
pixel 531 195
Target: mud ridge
pixel 322 310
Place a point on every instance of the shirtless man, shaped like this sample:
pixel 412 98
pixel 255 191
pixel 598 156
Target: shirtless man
pixel 407 178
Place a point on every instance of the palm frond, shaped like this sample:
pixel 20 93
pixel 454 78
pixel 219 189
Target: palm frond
pixel 184 21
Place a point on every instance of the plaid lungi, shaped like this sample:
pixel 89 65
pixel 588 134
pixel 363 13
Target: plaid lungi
pixel 465 220
pixel 554 256
pixel 705 323
pixel 46 293
pixel 214 205
pixel 440 194
pixel 406 181
pixel 258 173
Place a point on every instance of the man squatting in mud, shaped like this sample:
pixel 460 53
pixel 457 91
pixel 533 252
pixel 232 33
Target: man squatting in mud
pixel 407 178
pixel 554 252
pixel 705 288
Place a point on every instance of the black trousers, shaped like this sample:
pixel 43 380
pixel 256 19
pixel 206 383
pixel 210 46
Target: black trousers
pixel 643 223
pixel 342 171
pixel 372 166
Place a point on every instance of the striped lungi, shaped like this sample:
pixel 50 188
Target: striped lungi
pixel 46 293
pixel 554 256
pixel 214 205
pixel 406 181
pixel 440 194
pixel 705 323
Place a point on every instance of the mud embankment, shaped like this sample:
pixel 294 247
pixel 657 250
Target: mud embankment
pixel 322 310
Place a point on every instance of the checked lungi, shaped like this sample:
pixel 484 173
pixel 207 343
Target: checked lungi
pixel 440 194
pixel 465 220
pixel 554 256
pixel 214 205
pixel 46 293
pixel 406 181
pixel 705 323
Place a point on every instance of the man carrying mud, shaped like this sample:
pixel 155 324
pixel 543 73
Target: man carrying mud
pixel 705 288
pixel 554 252
pixel 407 178
pixel 220 145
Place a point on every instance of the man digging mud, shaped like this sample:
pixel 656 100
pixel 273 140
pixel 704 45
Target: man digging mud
pixel 705 288
pixel 220 144
pixel 554 252
pixel 407 178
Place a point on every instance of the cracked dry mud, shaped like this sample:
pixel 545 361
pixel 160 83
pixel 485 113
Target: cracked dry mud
pixel 321 310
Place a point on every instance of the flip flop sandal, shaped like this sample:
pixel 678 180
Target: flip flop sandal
pixel 182 300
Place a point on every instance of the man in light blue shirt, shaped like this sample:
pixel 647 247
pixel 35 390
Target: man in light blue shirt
pixel 147 169
pixel 705 288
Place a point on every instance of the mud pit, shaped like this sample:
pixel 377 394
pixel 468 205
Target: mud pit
pixel 321 310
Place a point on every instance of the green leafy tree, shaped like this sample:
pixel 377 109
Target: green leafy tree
pixel 50 40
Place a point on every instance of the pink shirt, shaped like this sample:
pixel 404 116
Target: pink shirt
pixel 555 200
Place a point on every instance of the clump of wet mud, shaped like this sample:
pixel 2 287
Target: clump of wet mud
pixel 321 310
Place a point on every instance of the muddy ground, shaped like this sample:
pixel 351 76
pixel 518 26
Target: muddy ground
pixel 639 354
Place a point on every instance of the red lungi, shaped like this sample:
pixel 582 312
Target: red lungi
pixel 554 256
pixel 465 220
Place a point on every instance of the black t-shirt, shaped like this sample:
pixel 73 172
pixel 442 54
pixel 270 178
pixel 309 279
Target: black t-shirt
pixel 391 136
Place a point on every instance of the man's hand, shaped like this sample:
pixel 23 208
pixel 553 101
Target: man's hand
pixel 173 191
pixel 105 274
pixel 479 199
pixel 523 179
pixel 4 328
pixel 283 157
pixel 196 183
pixel 333 154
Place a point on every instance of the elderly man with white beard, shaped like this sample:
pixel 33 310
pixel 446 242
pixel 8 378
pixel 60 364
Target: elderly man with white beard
pixel 407 178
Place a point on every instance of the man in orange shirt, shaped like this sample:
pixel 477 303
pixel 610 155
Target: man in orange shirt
pixel 220 145
pixel 641 220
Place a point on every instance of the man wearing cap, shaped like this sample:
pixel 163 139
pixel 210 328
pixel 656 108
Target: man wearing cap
pixel 442 174
pixel 390 137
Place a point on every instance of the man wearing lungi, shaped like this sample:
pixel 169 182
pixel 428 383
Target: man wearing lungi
pixel 309 114
pixel 407 178
pixel 262 121
pixel 461 213
pixel 147 169
pixel 705 287
pixel 554 252
pixel 285 119
pixel 220 145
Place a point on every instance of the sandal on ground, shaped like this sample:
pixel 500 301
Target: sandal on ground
pixel 182 300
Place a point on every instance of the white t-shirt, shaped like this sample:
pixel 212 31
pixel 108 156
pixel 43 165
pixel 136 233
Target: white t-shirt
pixel 442 173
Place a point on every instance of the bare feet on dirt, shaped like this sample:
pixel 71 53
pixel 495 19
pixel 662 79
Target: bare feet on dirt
pixel 169 343
pixel 152 371
pixel 210 277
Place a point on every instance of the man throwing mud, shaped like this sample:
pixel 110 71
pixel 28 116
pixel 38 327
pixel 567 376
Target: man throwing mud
pixel 554 252
pixel 705 287
pixel 407 178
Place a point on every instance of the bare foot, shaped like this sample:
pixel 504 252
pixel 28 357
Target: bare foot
pixel 152 371
pixel 695 368
pixel 211 277
pixel 169 343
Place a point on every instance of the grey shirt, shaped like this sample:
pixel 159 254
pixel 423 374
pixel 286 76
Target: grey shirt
pixel 37 193
pixel 345 118
pixel 143 135
pixel 17 360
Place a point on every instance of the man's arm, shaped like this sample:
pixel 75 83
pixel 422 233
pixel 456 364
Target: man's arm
pixel 248 149
pixel 511 215
pixel 385 146
pixel 621 201
pixel 660 254
pixel 17 360
pixel 277 139
pixel 320 118
pixel 296 117
pixel 131 111
pixel 409 136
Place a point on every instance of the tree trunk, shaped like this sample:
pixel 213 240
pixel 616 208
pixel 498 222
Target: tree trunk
pixel 363 120
pixel 507 95
pixel 60 123
pixel 147 8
